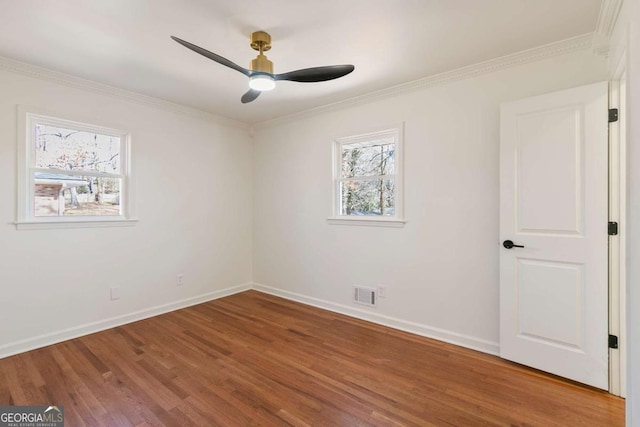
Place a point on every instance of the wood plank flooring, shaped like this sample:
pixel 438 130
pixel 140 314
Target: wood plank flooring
pixel 256 360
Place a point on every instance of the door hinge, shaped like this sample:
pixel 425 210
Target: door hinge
pixel 613 115
pixel 613 341
pixel 613 228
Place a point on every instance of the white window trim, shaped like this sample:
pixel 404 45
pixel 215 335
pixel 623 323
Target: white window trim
pixel 25 220
pixel 397 220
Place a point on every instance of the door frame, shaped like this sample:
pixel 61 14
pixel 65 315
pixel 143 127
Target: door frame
pixel 617 244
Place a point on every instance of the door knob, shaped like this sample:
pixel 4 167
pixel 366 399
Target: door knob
pixel 509 244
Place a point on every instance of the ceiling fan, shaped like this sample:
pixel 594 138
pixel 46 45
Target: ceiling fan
pixel 260 73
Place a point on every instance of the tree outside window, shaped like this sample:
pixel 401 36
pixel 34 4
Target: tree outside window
pixel 83 167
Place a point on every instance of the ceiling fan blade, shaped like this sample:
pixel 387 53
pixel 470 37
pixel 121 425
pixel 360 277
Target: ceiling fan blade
pixel 219 59
pixel 251 95
pixel 316 74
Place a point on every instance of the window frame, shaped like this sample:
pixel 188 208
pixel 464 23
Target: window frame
pixel 397 220
pixel 28 117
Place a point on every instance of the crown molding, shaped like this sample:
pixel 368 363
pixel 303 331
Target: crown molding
pixel 563 47
pixel 609 10
pixel 607 18
pixel 74 82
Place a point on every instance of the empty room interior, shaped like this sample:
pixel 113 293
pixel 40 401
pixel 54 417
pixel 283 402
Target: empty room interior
pixel 345 213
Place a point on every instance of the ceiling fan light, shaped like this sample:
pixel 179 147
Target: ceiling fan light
pixel 262 82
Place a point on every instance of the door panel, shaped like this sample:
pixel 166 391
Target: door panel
pixel 556 289
pixel 553 201
pixel 550 202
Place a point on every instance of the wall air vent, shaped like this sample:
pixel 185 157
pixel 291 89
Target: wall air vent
pixel 364 296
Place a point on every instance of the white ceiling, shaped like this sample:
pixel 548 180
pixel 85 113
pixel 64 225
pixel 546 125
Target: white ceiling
pixel 125 43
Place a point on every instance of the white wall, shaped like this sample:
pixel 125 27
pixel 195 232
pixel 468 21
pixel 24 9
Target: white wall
pixel 633 251
pixel 633 242
pixel 441 269
pixel 193 184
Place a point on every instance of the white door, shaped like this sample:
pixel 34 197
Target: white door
pixel 553 201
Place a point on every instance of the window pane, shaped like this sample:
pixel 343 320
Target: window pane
pixel 67 195
pixel 368 160
pixel 61 148
pixel 369 197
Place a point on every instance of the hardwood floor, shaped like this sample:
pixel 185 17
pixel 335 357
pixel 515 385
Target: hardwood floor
pixel 253 359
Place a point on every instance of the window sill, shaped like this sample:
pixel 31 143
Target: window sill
pixel 369 222
pixel 48 225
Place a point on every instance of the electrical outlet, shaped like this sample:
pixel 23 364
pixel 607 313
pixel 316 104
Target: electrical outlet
pixel 115 293
pixel 180 280
pixel 382 291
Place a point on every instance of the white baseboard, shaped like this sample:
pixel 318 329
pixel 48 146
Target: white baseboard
pixel 90 328
pixel 392 322
pixel 450 337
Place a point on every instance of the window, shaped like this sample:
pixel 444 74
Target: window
pixel 71 173
pixel 368 179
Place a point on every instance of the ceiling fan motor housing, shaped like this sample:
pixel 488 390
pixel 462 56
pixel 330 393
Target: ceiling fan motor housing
pixel 261 64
